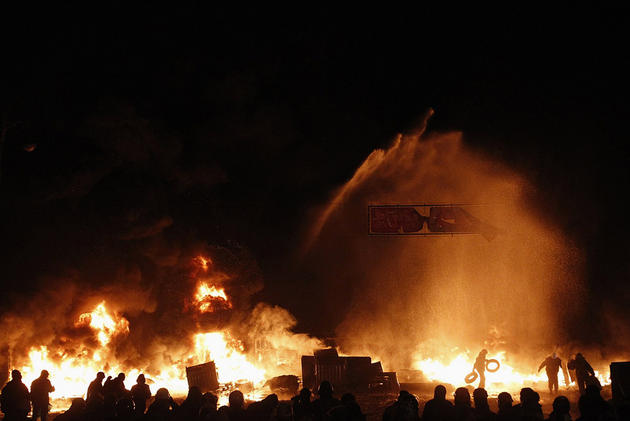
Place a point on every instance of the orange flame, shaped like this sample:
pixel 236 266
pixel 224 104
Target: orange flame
pixel 204 262
pixel 207 295
pixel 100 320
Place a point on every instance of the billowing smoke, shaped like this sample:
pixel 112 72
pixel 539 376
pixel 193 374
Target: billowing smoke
pixel 418 297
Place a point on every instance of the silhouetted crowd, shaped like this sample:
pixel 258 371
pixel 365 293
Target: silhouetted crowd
pixel 591 405
pixel 109 400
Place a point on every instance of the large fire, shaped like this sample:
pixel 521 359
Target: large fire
pixel 72 372
pixel 278 353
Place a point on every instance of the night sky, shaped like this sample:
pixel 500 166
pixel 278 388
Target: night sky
pixel 230 128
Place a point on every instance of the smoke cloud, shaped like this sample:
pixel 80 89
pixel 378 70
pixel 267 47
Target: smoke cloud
pixel 415 297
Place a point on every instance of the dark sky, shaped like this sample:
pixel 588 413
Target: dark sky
pixel 229 127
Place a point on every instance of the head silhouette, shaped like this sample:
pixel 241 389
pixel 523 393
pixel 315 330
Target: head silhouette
pixel 305 394
pixel 504 401
pixel 210 400
pixel 16 375
pixel 462 396
pixel 236 399
pixel 439 392
pixel 561 405
pixel 325 389
pixel 141 379
pixel 44 374
pixel 480 397
pixel 121 376
pixel 100 375
pixel 194 394
pixel 403 395
pixel 162 394
pixel 527 396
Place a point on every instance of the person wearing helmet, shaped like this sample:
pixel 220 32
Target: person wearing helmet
pixel 40 388
pixel 326 402
pixel 552 365
pixel 480 367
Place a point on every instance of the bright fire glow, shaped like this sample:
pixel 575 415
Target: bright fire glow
pixel 232 365
pixel 507 378
pixel 71 372
pixel 206 295
pixel 102 322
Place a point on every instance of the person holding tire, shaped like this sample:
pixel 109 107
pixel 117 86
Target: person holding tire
pixel 480 368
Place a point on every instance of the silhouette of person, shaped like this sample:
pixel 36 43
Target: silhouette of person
pixel 76 412
pixel 95 389
pixel 404 409
pixel 15 400
pixel 302 406
pixel 561 409
pixel 480 367
pixel 118 386
pixel 236 408
pixel 208 410
pixel 140 393
pixel 191 407
pixel 482 409
pixel 352 409
pixel 40 388
pixel 593 407
pixel 323 405
pixel 438 408
pixel 552 365
pixel 462 410
pixel 113 390
pixel 163 407
pixel 506 410
pixel 583 371
pixel 529 408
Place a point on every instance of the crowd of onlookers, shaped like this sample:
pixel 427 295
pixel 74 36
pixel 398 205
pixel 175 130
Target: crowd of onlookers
pixel 111 401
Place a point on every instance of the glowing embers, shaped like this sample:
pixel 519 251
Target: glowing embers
pixel 106 325
pixel 228 356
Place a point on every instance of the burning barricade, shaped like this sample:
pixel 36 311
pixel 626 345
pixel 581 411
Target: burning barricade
pixel 357 374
